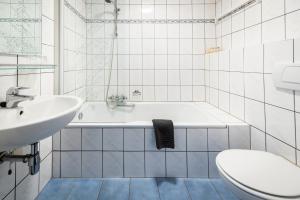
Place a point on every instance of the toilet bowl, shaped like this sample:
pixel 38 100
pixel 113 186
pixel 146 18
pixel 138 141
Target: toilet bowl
pixel 256 175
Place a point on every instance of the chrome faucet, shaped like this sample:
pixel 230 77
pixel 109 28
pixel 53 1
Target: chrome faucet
pixel 119 100
pixel 13 97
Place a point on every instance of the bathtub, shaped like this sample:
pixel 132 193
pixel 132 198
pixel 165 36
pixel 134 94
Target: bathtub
pixel 118 143
pixel 182 114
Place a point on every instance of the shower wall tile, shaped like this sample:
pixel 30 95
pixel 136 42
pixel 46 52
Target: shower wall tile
pixel 75 49
pixel 159 59
pixel 270 37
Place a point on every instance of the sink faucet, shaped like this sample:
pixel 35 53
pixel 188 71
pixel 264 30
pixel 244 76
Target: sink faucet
pixel 13 98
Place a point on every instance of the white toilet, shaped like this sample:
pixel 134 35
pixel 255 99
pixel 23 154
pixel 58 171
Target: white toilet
pixel 256 175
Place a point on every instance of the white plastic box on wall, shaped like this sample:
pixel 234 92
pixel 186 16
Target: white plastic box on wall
pixel 287 76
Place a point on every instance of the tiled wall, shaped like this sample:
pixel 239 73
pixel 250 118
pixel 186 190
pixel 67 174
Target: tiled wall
pixel 159 50
pixel 19 185
pixel 74 48
pixel 239 79
pixel 131 152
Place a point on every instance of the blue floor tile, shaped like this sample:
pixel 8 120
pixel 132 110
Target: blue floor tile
pixel 136 189
pixel 114 189
pixel 143 189
pixel 172 189
pixel 201 189
pixel 71 189
pixel 221 188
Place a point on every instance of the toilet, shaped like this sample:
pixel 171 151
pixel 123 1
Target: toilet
pixel 256 175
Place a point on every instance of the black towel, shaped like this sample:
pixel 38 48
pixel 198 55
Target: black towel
pixel 164 133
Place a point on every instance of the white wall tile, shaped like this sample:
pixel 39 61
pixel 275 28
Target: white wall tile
pixel 272 9
pixel 277 147
pixel 254 86
pixel 258 140
pixel 277 52
pixel 237 83
pixel 6 181
pixel 285 130
pixel 255 113
pixel 273 30
pixel 277 96
pixel 45 172
pixel 253 59
pixel 292 27
pixel 237 107
pixel 28 189
pixel 292 5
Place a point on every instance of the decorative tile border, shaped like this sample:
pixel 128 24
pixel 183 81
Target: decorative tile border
pixel 25 20
pixel 136 21
pixel 151 21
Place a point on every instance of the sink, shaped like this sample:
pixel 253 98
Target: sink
pixel 35 120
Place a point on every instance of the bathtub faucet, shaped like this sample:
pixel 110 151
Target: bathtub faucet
pixel 119 100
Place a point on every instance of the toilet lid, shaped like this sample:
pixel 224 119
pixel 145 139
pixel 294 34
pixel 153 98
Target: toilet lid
pixel 261 171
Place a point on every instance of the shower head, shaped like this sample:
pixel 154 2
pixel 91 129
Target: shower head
pixel 108 1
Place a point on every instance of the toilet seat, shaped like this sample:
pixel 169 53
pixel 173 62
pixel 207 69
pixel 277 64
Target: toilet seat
pixel 259 173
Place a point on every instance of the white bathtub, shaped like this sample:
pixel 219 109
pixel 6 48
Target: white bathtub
pixel 96 114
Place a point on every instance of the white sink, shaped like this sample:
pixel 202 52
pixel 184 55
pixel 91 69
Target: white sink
pixel 35 120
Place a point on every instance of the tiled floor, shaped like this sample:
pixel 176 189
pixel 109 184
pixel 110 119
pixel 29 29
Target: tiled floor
pixel 136 189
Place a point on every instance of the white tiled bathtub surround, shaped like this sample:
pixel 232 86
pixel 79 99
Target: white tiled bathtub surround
pixel 131 152
pixel 239 79
pixel 20 185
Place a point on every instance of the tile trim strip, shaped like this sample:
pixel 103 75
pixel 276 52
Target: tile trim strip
pixel 136 21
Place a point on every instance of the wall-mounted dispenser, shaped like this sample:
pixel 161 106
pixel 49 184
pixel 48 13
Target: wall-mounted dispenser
pixel 287 76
